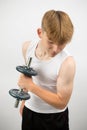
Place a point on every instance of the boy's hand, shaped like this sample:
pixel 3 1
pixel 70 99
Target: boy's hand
pixel 25 82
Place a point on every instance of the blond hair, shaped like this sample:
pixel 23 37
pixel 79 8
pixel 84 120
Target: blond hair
pixel 58 26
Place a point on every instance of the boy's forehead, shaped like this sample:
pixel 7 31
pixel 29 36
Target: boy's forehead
pixel 50 40
pixel 53 42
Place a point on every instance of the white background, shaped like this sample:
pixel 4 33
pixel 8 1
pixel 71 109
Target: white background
pixel 19 20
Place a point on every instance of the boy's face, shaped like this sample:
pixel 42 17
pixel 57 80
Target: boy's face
pixel 48 45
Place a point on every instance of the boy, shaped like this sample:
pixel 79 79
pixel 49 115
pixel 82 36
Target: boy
pixel 51 89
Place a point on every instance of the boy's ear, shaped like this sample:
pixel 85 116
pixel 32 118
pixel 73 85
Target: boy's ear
pixel 39 32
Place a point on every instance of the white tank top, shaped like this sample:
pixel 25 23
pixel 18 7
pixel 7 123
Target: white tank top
pixel 46 78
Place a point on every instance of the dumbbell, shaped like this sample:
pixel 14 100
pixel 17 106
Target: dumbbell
pixel 20 94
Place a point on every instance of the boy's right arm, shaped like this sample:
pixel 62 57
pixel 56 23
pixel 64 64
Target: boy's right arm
pixel 21 107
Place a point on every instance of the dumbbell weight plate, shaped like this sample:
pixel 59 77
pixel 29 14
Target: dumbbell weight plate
pixel 26 71
pixel 18 94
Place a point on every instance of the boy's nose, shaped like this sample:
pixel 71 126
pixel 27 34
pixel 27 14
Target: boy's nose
pixel 55 48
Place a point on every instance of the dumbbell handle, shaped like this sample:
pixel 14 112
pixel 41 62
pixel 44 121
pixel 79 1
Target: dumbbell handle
pixel 29 62
pixel 16 103
pixel 17 100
